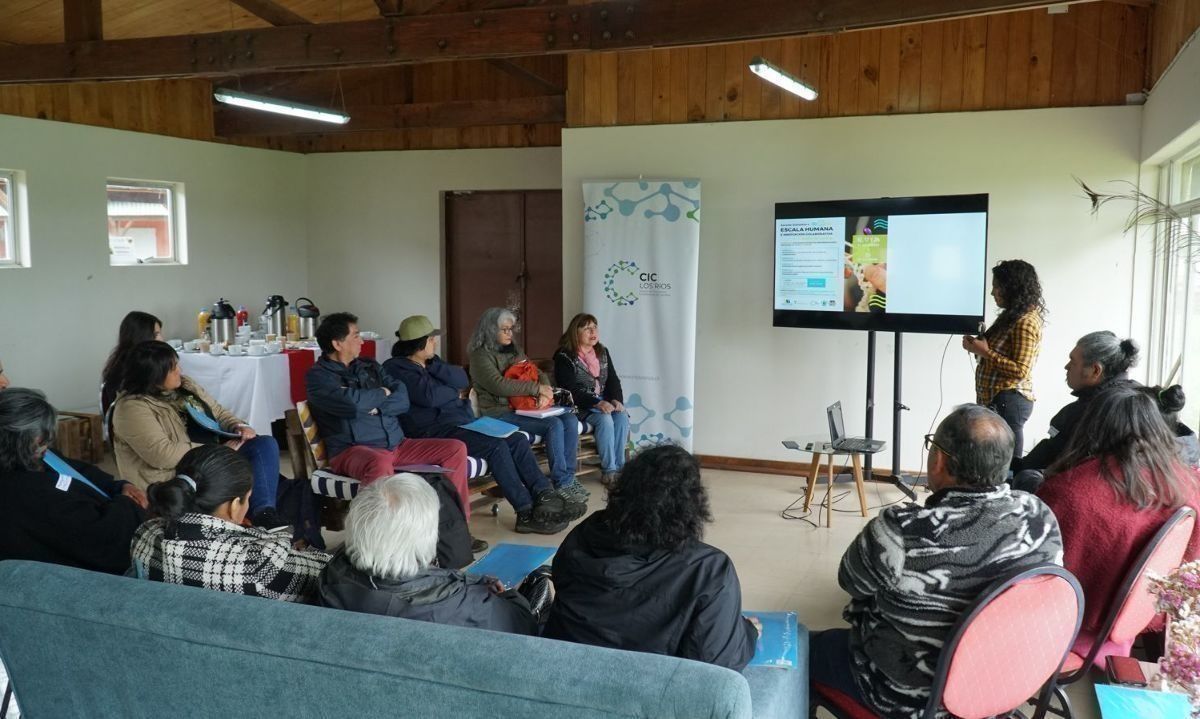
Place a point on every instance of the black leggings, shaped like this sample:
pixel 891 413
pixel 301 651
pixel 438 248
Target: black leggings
pixel 1015 409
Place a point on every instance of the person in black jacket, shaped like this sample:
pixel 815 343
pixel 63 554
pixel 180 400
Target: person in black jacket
pixel 636 576
pixel 55 510
pixel 386 567
pixel 584 367
pixel 437 409
pixel 1098 359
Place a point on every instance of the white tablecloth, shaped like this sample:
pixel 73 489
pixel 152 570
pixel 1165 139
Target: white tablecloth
pixel 257 389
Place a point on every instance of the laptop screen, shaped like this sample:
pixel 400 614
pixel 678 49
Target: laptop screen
pixel 836 429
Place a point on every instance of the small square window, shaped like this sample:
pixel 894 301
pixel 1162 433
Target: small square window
pixel 145 223
pixel 14 249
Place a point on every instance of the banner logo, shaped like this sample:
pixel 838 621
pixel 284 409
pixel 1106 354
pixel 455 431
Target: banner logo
pixel 619 295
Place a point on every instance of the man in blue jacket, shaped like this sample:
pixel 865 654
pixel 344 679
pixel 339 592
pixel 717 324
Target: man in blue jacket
pixel 437 409
pixel 357 409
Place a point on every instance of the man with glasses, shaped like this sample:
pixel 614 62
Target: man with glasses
pixel 913 570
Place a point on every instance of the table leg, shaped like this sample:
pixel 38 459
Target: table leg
pixel 829 494
pixel 858 482
pixel 814 469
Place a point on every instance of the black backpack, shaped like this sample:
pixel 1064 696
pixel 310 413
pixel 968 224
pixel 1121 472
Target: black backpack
pixel 454 541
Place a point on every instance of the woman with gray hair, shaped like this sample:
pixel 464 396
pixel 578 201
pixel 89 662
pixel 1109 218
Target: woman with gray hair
pixel 387 566
pixel 493 352
pixel 1098 359
pixel 56 510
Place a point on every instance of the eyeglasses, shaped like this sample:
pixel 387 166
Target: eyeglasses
pixel 508 330
pixel 929 442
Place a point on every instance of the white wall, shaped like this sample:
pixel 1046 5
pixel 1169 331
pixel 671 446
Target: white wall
pixel 756 384
pixel 59 318
pixel 1171 120
pixel 375 223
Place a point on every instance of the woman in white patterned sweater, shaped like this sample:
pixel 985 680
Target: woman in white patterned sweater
pixel 913 570
pixel 199 538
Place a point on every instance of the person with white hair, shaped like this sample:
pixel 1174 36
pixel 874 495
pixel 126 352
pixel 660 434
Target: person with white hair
pixel 387 566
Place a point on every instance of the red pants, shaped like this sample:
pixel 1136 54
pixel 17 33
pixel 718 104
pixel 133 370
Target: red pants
pixel 368 464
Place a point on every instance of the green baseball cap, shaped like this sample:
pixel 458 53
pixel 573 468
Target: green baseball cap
pixel 416 327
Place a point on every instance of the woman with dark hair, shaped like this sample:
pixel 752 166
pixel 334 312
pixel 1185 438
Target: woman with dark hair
pixel 1009 348
pixel 493 352
pixel 199 539
pixel 584 367
pixel 636 576
pixel 55 510
pixel 438 409
pixel 3 378
pixel 1170 401
pixel 160 414
pixel 136 328
pixel 1119 480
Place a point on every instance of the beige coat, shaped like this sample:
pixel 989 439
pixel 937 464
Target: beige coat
pixel 150 437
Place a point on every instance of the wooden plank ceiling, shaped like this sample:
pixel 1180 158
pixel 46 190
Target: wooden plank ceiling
pixel 1093 55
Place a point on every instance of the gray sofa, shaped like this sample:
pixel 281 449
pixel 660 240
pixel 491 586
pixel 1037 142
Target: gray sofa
pixel 82 644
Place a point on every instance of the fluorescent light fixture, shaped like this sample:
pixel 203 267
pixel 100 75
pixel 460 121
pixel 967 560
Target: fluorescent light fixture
pixel 776 76
pixel 282 107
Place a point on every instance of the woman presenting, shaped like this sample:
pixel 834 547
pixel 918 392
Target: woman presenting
pixel 1009 348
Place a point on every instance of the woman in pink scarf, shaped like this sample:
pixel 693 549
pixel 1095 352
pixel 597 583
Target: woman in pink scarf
pixel 584 367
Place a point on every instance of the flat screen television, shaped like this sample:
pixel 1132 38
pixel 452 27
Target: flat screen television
pixel 894 264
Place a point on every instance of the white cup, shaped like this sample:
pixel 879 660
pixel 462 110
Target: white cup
pixel 216 350
pixel 237 350
pixel 258 343
pixel 191 346
pixel 257 350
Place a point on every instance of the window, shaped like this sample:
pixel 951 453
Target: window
pixel 14 240
pixel 145 223
pixel 1189 179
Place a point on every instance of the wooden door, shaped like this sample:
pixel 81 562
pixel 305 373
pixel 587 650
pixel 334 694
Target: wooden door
pixel 504 249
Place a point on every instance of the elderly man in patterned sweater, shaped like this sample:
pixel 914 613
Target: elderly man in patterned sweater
pixel 913 570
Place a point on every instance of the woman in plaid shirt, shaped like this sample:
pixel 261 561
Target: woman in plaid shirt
pixel 1009 348
pixel 200 540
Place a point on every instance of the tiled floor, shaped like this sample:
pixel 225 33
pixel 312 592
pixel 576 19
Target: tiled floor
pixel 782 564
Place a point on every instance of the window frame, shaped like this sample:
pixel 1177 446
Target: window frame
pixel 17 227
pixel 176 220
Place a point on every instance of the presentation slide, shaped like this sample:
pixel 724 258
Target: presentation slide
pixel 904 264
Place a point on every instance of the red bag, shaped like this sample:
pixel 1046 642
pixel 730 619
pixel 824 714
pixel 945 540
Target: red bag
pixel 523 371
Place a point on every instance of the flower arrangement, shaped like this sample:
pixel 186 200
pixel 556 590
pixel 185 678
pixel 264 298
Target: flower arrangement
pixel 1179 598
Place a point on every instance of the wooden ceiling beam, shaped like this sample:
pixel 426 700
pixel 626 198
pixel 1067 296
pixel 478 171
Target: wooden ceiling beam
pixel 83 21
pixel 272 12
pixel 235 122
pixel 601 26
pixel 525 74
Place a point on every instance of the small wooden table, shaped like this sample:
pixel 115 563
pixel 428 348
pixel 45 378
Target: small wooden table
pixel 824 452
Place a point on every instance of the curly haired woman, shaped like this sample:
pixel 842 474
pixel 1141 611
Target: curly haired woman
pixel 1008 350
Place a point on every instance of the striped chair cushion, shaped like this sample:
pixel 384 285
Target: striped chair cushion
pixel 315 445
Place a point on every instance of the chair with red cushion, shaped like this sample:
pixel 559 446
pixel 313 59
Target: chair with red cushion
pixel 1133 607
pixel 1016 635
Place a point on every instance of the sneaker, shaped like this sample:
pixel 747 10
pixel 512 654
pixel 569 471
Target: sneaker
pixel 575 491
pixel 478 545
pixel 572 508
pixel 529 523
pixel 267 519
pixel 549 502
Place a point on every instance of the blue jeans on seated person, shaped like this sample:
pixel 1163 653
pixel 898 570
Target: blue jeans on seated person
pixel 511 462
pixel 561 435
pixel 829 662
pixel 612 434
pixel 263 455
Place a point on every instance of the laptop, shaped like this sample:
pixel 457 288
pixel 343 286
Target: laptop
pixel 838 438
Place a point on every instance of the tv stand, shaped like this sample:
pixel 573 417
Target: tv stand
pixel 897 476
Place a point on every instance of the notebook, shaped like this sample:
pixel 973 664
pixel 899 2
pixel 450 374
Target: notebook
pixel 542 413
pixel 1134 703
pixel 778 641
pixel 510 563
pixel 491 427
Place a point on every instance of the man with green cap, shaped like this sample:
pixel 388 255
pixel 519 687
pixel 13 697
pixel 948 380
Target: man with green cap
pixel 438 409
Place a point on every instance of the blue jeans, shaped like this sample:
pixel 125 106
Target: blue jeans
pixel 511 462
pixel 263 455
pixel 612 434
pixel 561 435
